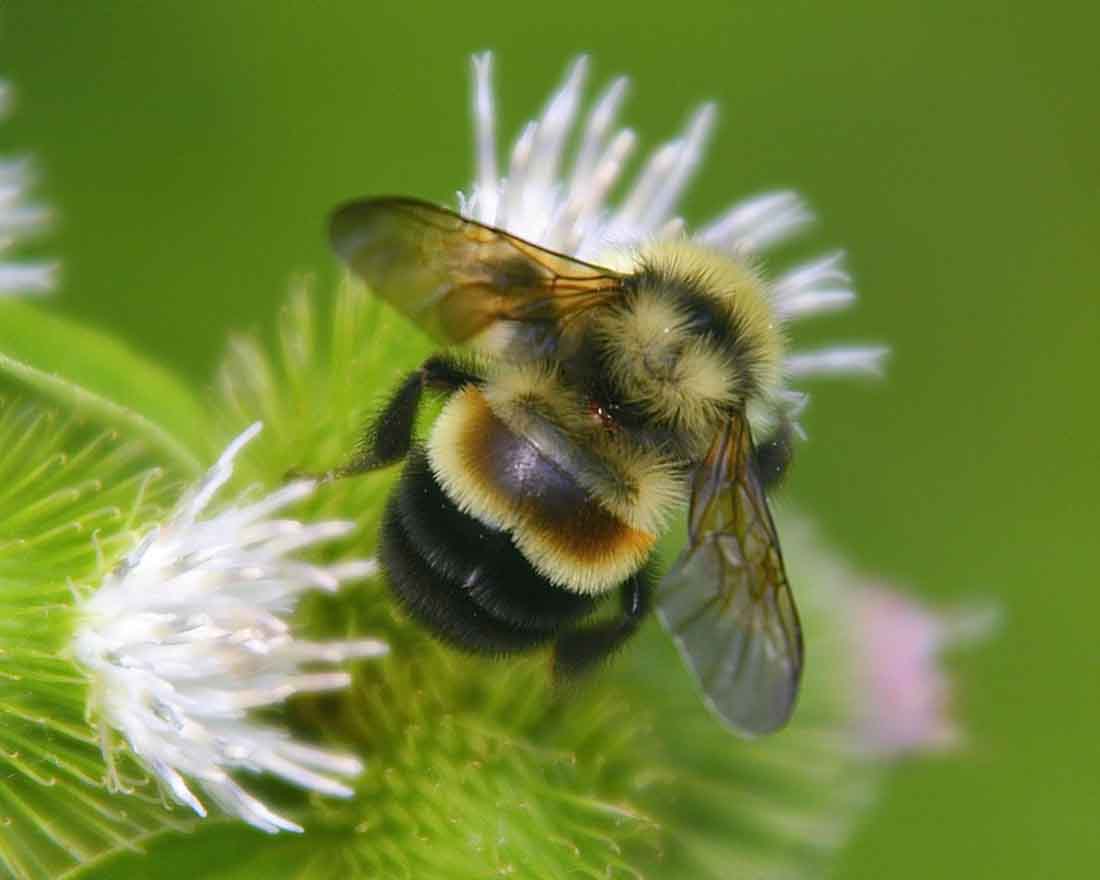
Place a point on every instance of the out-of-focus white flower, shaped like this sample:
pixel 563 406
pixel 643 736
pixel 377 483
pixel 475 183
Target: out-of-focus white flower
pixel 566 208
pixel 190 633
pixel 18 220
pixel 906 693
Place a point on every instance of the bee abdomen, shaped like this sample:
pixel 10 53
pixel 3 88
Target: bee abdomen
pixel 505 481
pixel 464 580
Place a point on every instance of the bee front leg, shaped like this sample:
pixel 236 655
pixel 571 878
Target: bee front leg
pixel 389 434
pixel 578 650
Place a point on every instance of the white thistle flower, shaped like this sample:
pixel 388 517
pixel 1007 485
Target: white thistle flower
pixel 566 209
pixel 190 633
pixel 18 220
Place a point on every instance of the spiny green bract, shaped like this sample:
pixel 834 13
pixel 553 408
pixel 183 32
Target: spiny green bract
pixel 72 495
pixel 481 768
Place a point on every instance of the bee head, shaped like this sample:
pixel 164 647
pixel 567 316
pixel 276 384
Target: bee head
pixel 662 363
pixel 693 339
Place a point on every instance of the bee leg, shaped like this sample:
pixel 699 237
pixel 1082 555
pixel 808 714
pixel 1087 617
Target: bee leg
pixel 578 650
pixel 772 458
pixel 389 435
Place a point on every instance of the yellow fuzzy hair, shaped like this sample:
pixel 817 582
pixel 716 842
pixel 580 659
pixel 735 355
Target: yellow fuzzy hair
pixel 736 285
pixel 556 560
pixel 448 457
pixel 690 381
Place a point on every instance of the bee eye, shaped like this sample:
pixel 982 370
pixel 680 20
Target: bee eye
pixel 603 413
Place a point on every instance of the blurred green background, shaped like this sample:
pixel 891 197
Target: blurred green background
pixel 192 151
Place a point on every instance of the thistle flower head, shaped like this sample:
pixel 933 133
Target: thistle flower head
pixel 19 219
pixel 563 205
pixel 190 633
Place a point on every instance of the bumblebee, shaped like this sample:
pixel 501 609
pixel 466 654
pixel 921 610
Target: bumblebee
pixel 586 406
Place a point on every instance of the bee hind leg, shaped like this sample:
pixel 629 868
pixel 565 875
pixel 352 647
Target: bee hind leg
pixel 579 650
pixel 389 434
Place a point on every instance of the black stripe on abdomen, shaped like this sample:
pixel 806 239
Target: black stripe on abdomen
pixel 465 580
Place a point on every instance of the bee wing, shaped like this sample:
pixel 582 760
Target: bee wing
pixel 457 278
pixel 726 601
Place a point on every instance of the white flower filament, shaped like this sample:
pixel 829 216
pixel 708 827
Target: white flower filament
pixel 190 633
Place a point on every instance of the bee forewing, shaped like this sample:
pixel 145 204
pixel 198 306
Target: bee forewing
pixel 726 602
pixel 458 278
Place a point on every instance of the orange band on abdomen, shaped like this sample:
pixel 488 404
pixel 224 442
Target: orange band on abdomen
pixel 505 481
